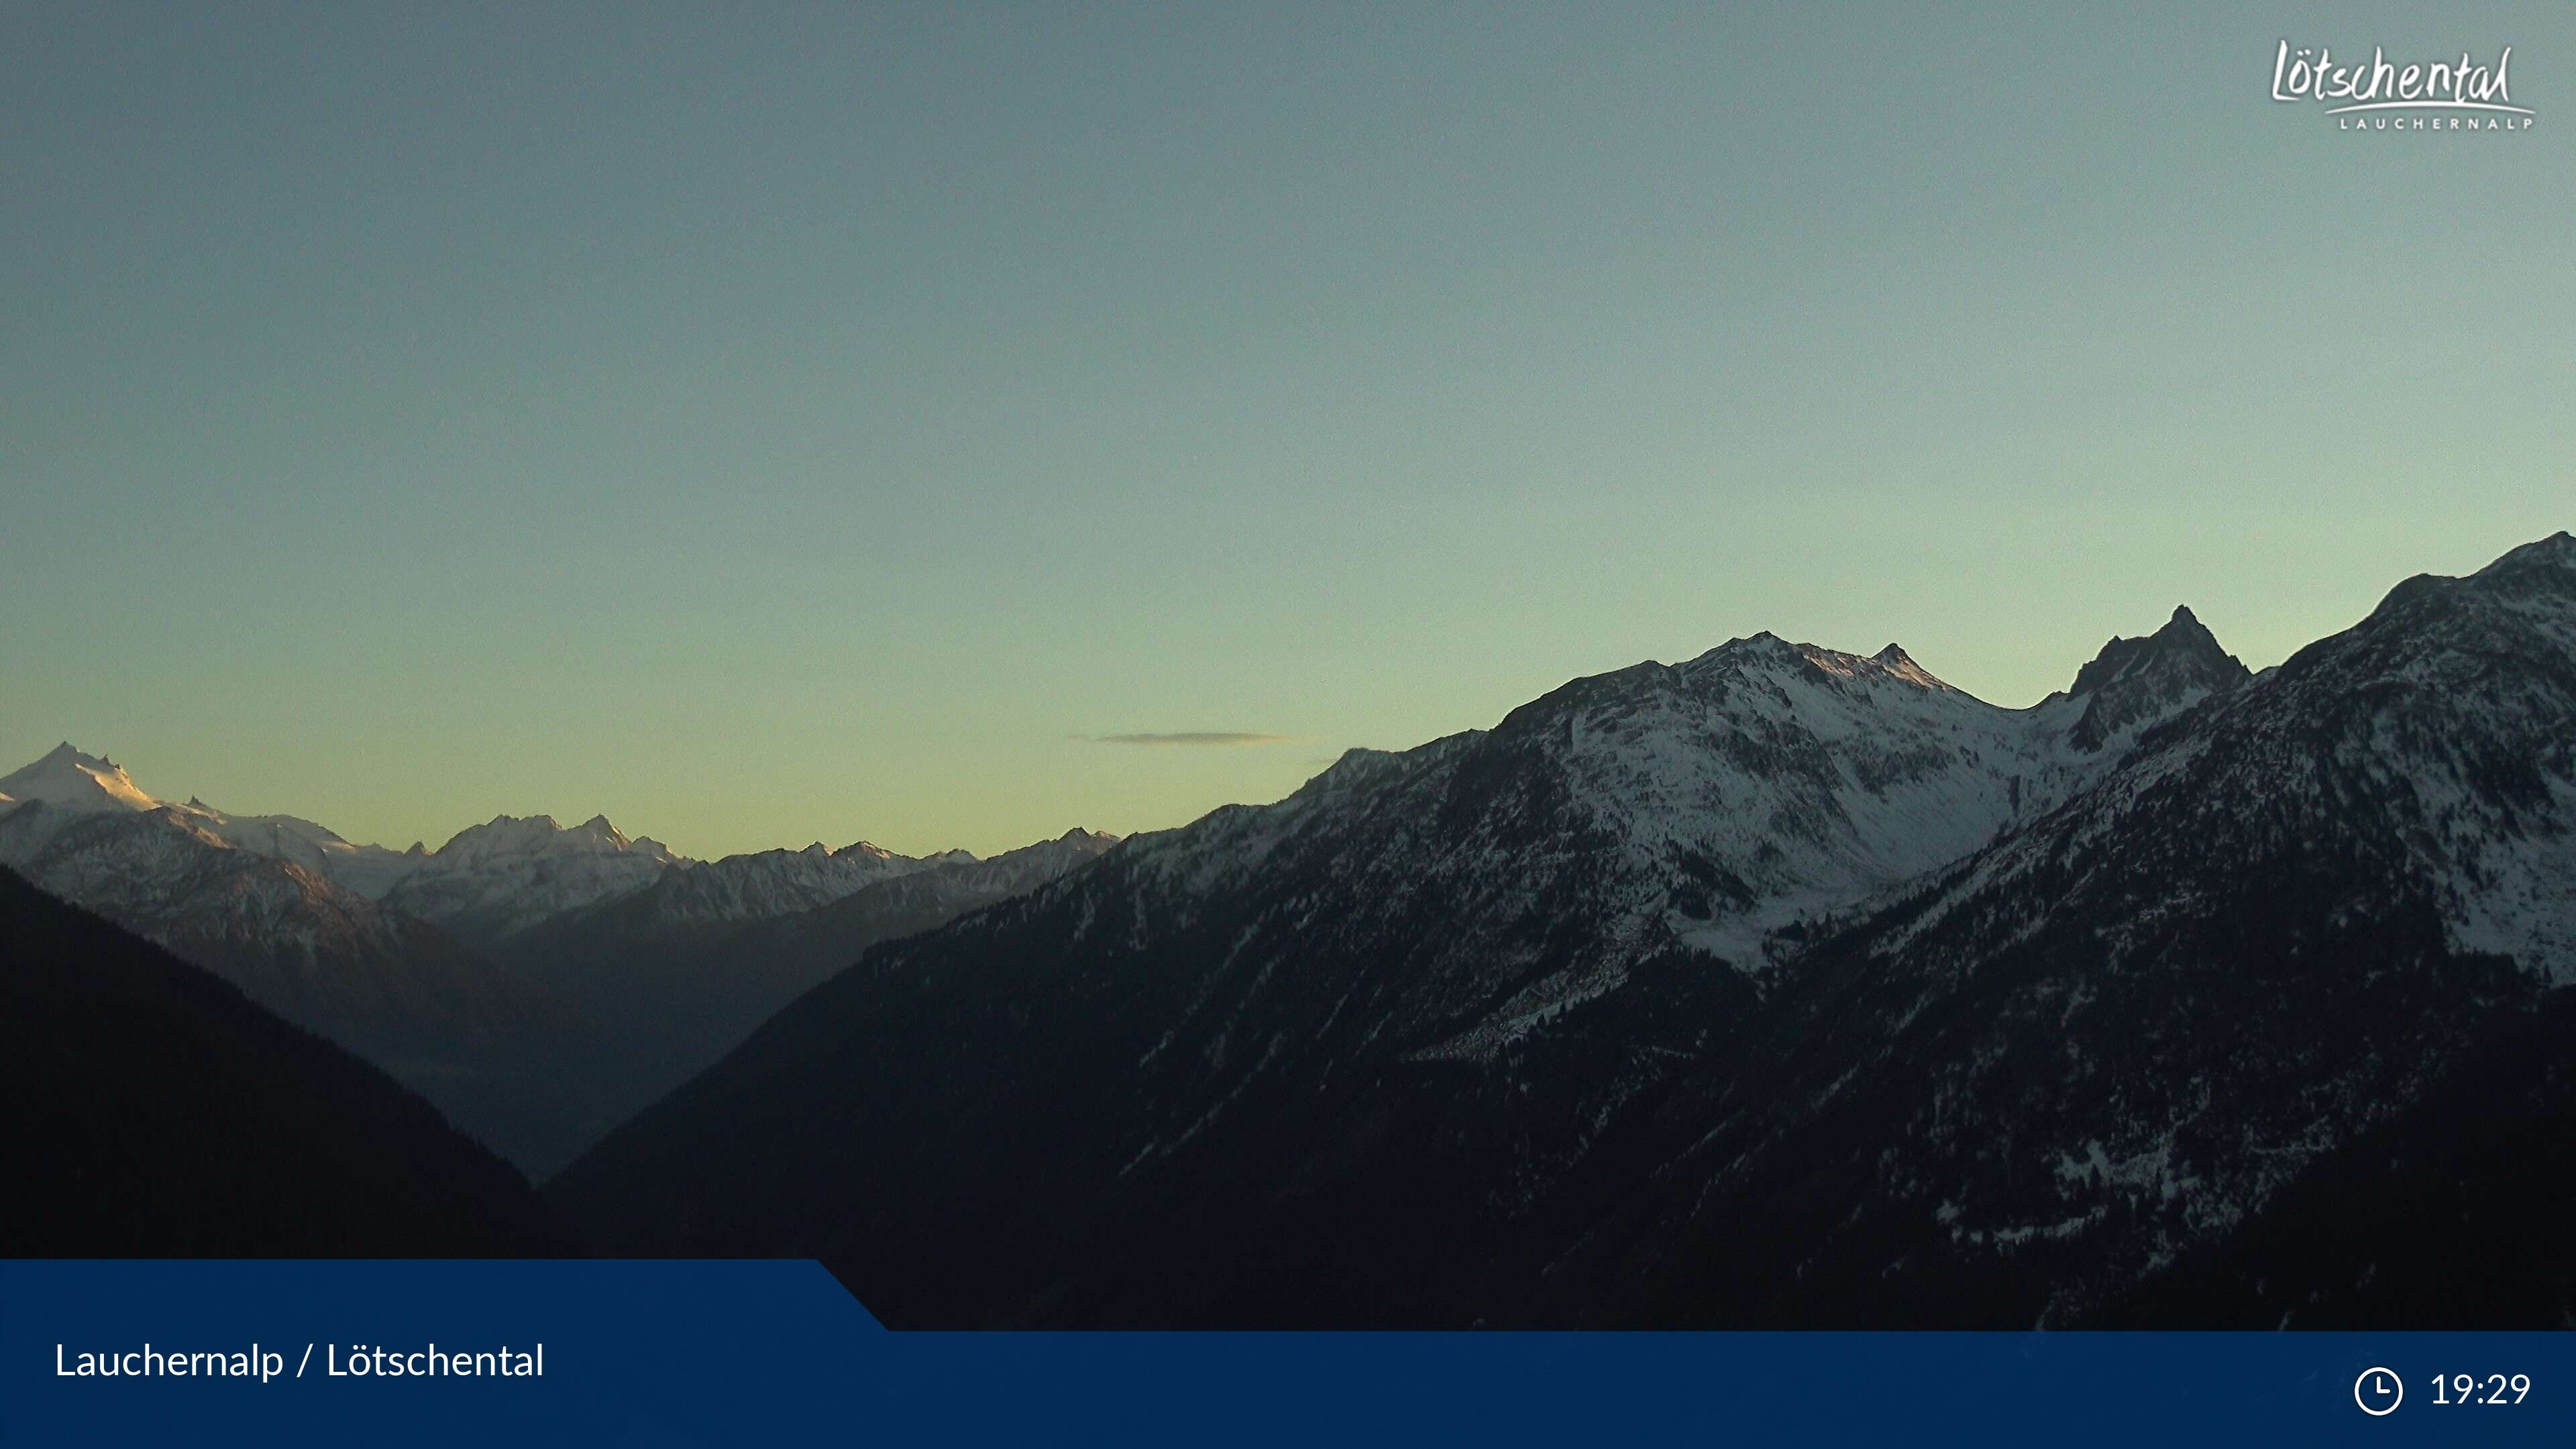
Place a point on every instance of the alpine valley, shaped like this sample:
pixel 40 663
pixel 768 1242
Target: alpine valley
pixel 1780 987
pixel 537 983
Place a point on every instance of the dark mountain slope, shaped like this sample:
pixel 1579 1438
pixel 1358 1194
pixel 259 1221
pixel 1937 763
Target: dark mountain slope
pixel 657 987
pixel 152 1110
pixel 2456 1210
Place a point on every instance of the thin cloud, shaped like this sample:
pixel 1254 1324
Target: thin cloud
pixel 1221 739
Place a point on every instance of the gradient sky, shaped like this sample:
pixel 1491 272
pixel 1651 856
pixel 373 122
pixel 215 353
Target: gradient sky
pixel 835 421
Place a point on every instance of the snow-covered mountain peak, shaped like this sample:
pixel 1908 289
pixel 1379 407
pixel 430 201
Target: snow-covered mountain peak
pixel 512 835
pixel 2133 684
pixel 1764 647
pixel 1768 655
pixel 71 780
pixel 2184 643
pixel 1901 665
pixel 499 834
pixel 510 872
pixel 1891 663
pixel 76 784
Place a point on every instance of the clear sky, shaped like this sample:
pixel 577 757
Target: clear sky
pixel 816 422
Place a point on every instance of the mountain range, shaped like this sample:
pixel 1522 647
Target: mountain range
pixel 480 973
pixel 1779 987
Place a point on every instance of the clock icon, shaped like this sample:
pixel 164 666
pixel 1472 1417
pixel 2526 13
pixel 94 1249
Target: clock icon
pixel 2378 1392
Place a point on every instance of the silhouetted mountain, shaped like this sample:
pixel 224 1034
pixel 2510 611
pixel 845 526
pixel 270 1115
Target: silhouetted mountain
pixel 153 1110
pixel 1780 987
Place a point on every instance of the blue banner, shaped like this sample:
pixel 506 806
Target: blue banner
pixel 729 1353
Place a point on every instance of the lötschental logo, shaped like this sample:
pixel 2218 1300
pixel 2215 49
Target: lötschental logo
pixel 2402 95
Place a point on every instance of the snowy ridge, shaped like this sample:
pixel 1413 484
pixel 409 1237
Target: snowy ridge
pixel 772 883
pixel 495 879
pixel 2485 814
pixel 369 870
pixel 956 882
pixel 1706 806
pixel 490 881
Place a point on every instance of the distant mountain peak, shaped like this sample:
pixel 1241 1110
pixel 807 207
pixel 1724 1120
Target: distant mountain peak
pixel 540 835
pixel 1897 662
pixel 1744 649
pixel 2183 638
pixel 2134 682
pixel 512 871
pixel 1768 649
pixel 69 779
